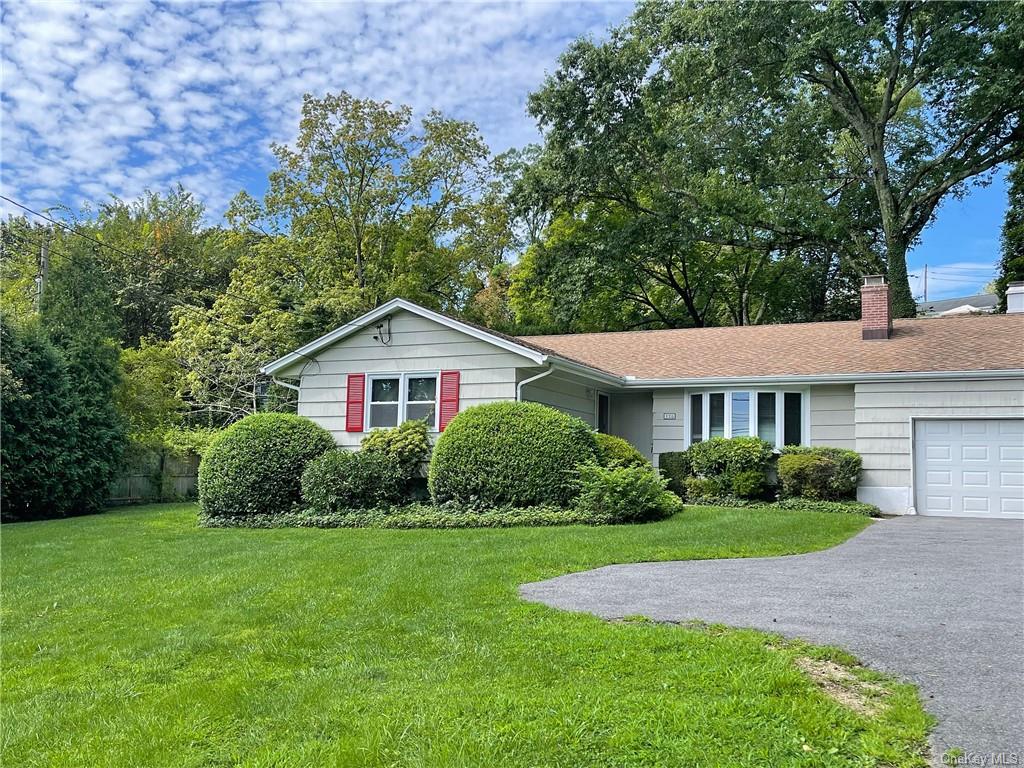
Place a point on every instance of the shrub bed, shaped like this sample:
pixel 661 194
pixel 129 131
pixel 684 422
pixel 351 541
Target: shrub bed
pixel 341 480
pixel 510 454
pixel 614 450
pixel 255 465
pixel 824 473
pixel 415 516
pixel 807 505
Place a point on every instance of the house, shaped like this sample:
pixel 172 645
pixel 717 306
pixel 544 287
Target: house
pixel 935 406
pixel 964 305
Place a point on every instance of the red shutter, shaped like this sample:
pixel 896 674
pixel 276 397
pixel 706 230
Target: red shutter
pixel 355 398
pixel 449 397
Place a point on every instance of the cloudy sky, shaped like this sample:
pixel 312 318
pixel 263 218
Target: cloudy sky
pixel 102 99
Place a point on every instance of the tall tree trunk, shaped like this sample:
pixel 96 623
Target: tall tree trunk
pixel 903 304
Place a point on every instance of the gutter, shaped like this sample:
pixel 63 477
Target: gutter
pixel 838 378
pixel 519 387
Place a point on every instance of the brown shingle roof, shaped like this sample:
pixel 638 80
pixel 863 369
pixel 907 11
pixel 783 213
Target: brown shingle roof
pixel 965 343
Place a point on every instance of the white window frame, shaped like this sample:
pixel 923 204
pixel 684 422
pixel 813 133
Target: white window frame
pixel 780 411
pixel 403 396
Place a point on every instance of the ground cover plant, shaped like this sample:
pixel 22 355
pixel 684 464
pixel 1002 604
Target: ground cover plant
pixel 137 638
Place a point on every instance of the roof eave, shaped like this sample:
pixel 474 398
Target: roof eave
pixel 833 378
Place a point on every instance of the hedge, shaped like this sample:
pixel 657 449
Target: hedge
pixel 510 454
pixel 675 466
pixel 819 472
pixel 738 465
pixel 255 465
pixel 341 480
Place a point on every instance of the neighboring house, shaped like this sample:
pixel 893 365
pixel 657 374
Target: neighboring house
pixel 934 406
pixel 983 303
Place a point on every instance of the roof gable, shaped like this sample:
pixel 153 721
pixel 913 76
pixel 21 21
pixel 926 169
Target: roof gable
pixel 531 352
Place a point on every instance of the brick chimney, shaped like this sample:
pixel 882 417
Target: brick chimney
pixel 875 308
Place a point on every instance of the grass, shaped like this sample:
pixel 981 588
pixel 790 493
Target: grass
pixel 134 638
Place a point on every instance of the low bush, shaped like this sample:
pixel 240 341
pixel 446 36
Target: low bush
pixel 819 472
pixel 700 488
pixel 845 507
pixel 724 460
pixel 749 484
pixel 407 443
pixel 675 466
pixel 415 516
pixel 614 451
pixel 255 465
pixel 728 456
pixel 341 480
pixel 624 494
pixel 510 454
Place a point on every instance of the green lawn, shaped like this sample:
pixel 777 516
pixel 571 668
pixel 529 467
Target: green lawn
pixel 134 638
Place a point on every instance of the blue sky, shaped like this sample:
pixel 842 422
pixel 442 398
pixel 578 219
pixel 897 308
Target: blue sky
pixel 102 99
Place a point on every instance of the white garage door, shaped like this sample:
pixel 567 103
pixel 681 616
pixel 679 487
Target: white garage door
pixel 969 467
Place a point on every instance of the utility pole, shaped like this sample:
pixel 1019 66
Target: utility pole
pixel 44 268
pixel 926 283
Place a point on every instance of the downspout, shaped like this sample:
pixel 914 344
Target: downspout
pixel 524 382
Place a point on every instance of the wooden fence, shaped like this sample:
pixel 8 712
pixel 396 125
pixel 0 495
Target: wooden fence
pixel 155 474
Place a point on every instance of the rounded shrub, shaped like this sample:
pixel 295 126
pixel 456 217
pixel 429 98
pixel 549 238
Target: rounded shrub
pixel 831 473
pixel 340 480
pixel 614 451
pixel 407 443
pixel 510 453
pixel 620 494
pixel 675 466
pixel 255 466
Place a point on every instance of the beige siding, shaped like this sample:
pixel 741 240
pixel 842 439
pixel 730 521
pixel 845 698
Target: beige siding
pixel 884 410
pixel 832 416
pixel 488 373
pixel 669 424
pixel 570 394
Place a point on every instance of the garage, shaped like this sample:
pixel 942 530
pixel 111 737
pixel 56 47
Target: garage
pixel 969 467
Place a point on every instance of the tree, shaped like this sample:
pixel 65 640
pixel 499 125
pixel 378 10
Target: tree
pixel 931 93
pixel 78 314
pixel 1011 263
pixel 36 432
pixel 691 220
pixel 365 206
pixel 775 127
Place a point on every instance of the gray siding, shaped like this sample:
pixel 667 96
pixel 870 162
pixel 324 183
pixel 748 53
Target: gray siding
pixel 631 419
pixel 833 416
pixel 488 373
pixel 570 394
pixel 884 411
pixel 668 433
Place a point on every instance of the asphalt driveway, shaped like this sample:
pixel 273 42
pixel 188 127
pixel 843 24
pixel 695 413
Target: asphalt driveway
pixel 937 601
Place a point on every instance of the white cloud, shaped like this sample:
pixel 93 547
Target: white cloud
pixel 113 98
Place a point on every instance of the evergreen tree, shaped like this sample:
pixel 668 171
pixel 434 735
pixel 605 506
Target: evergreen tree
pixel 1011 265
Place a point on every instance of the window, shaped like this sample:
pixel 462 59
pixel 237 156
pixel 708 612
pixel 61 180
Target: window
pixel 395 398
pixel 421 399
pixel 792 419
pixel 696 418
pixel 766 416
pixel 716 416
pixel 774 416
pixel 603 412
pixel 740 414
pixel 384 401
